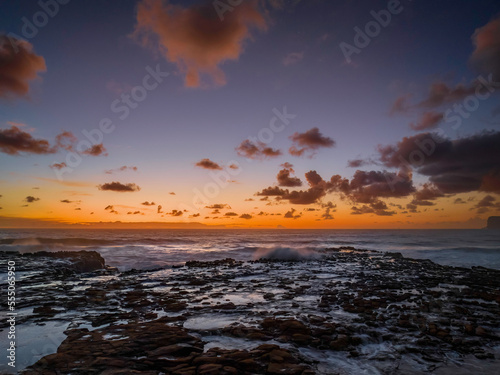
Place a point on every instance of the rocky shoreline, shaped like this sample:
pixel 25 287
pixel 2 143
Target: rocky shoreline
pixel 345 312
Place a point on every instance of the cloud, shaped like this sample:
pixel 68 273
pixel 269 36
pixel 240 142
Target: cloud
pixel 159 209
pixel 230 214
pixel 148 203
pixel 428 120
pixel 356 163
pixel 368 186
pixel 208 164
pixel 293 58
pixel 58 165
pixel 95 150
pixel 121 169
pixel 401 105
pixel 259 150
pixel 486 204
pixel 309 141
pixel 441 93
pixel 171 193
pixel 453 166
pixel 65 201
pixel 119 187
pixel 111 209
pixel 135 213
pixel 486 55
pixel 195 38
pixel 218 206
pixel 31 199
pixel 246 216
pixel 13 141
pixel 291 214
pixel 66 140
pixel 175 213
pixel 284 178
pixel 20 65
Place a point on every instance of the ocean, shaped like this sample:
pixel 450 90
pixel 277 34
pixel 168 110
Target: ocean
pixel 146 249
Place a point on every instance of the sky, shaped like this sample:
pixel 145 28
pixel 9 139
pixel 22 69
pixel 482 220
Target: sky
pixel 250 114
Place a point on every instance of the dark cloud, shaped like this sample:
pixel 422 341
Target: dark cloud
pixel 19 66
pixel 291 214
pixel 119 187
pixel 171 193
pixel 486 204
pixel 175 213
pixel 95 150
pixel 65 201
pixel 13 141
pixel 159 209
pixel 195 38
pixel 459 201
pixel 134 213
pixel 486 55
pixel 458 166
pixel 208 164
pixel 121 169
pixel 284 178
pixel 368 187
pixel 146 203
pixel 378 208
pixel 31 199
pixel 218 206
pixel 428 120
pixel 246 216
pixel 259 150
pixel 58 165
pixel 309 142
pixel 230 214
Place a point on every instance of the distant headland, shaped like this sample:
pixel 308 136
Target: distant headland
pixel 494 222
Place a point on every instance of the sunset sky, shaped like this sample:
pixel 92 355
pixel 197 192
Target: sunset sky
pixel 260 114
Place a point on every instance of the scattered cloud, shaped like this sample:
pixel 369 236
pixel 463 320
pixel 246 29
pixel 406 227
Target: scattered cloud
pixel 31 199
pixel 218 206
pixel 20 65
pixel 291 214
pixel 66 140
pixel 429 120
pixel 230 214
pixel 146 203
pixel 256 150
pixel 119 187
pixel 195 38
pixel 95 150
pixel 309 142
pixel 246 216
pixel 121 169
pixel 65 201
pixel 208 164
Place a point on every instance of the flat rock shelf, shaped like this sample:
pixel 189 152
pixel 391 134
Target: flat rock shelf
pixel 347 312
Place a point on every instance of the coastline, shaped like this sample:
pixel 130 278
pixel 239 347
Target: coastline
pixel 349 310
